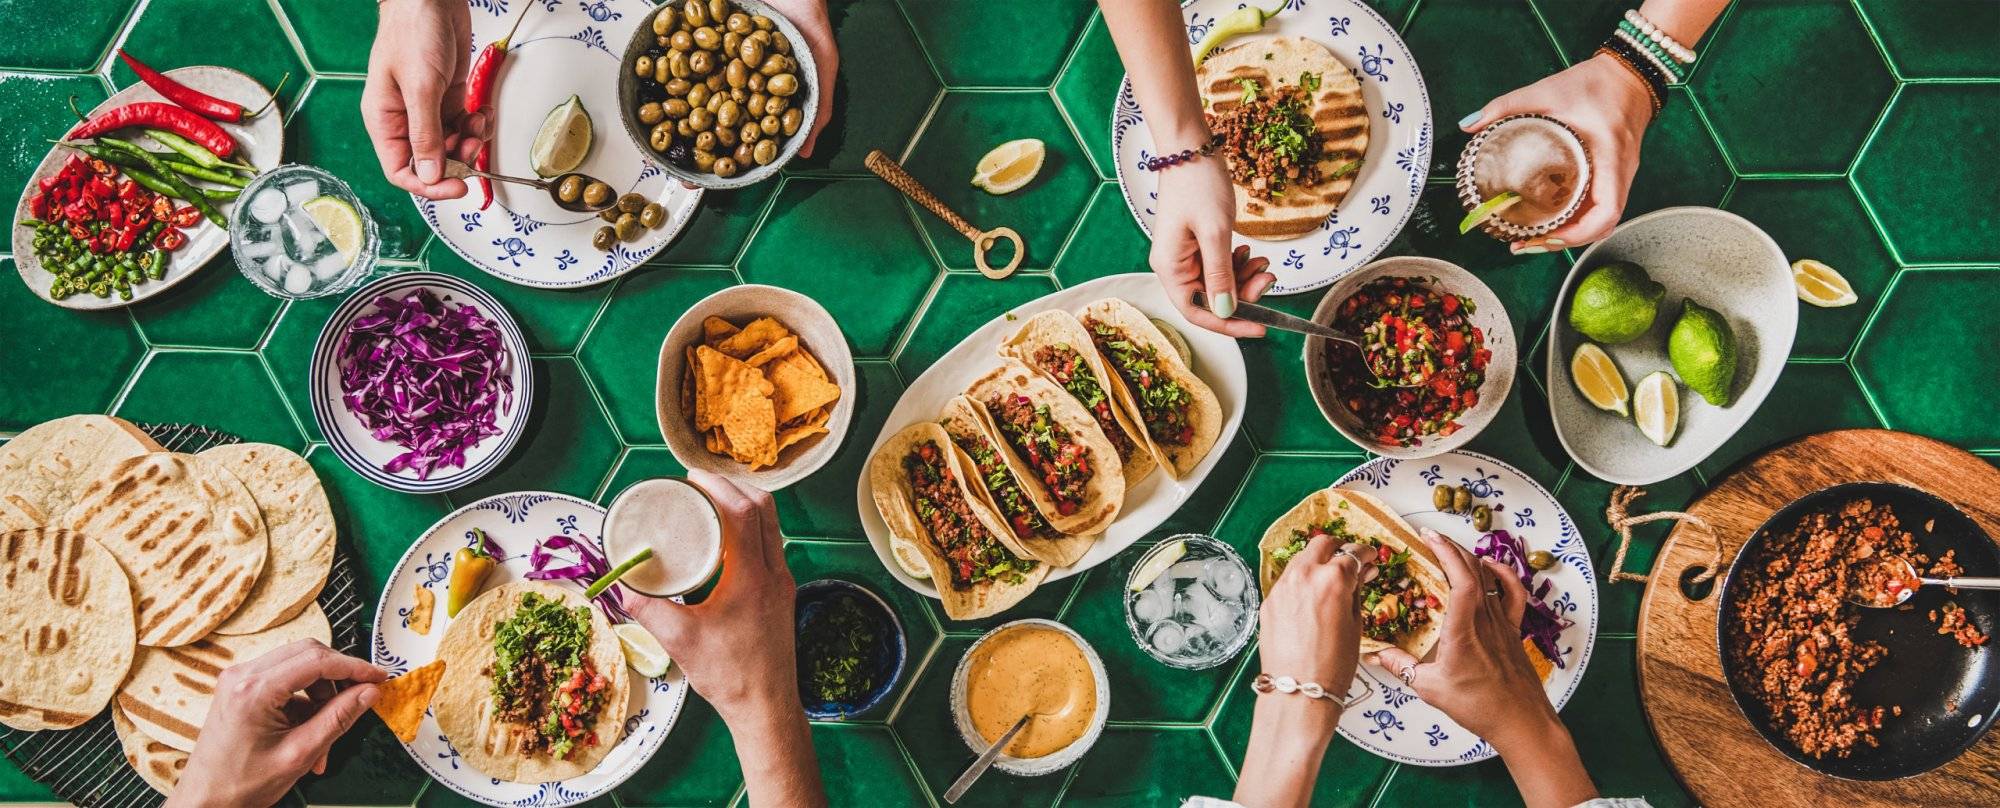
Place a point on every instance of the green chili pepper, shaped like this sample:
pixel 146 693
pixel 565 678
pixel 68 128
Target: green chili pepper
pixel 183 190
pixel 1245 20
pixel 217 196
pixel 186 169
pixel 190 149
pixel 156 266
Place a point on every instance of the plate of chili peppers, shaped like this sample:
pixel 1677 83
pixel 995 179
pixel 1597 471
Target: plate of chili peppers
pixel 135 197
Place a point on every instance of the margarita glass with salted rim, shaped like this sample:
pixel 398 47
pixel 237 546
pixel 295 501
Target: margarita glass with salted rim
pixel 299 232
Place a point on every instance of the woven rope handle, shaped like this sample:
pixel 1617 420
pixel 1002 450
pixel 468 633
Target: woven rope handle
pixel 891 172
pixel 1616 513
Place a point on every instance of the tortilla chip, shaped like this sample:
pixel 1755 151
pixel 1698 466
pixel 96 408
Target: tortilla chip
pixel 798 389
pixel 719 381
pixel 791 435
pixel 717 442
pixel 754 337
pixel 401 701
pixel 1542 664
pixel 715 329
pixel 752 431
pixel 420 616
pixel 781 348
pixel 689 401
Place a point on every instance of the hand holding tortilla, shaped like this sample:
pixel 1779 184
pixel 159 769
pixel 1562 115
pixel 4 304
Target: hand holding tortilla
pixel 1402 603
pixel 253 746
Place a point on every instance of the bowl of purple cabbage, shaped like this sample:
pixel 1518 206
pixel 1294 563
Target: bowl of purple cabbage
pixel 421 383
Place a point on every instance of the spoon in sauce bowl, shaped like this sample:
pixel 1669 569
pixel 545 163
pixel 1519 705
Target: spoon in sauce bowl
pixel 1889 581
pixel 574 192
pixel 985 761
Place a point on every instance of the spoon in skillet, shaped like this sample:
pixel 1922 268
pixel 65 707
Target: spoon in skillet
pixel 1388 370
pixel 1889 581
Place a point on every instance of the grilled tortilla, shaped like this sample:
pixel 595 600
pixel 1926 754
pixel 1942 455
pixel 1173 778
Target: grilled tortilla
pixel 1057 348
pixel 298 520
pixel 1103 488
pixel 994 483
pixel 45 468
pixel 1339 111
pixel 158 764
pixel 900 498
pixel 1144 376
pixel 67 640
pixel 170 689
pixel 1365 517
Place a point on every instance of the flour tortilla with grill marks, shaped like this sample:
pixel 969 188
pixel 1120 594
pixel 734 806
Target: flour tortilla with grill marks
pixel 170 689
pixel 186 531
pixel 158 764
pixel 67 637
pixel 45 468
pixel 1338 110
pixel 299 522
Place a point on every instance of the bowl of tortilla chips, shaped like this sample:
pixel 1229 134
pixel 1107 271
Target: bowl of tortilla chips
pixel 756 384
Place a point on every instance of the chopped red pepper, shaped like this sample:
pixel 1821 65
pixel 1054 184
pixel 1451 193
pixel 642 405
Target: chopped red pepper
pixel 185 217
pixel 170 239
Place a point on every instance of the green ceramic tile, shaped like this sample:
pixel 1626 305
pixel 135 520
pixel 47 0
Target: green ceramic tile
pixel 177 33
pixel 873 270
pixel 367 766
pixel 567 445
pixel 697 765
pixel 1143 689
pixel 1938 39
pixel 336 34
pixel 1088 88
pixel 925 726
pixel 1584 497
pixel 641 463
pixel 964 303
pixel 965 127
pixel 16 787
pixel 1808 398
pixel 552 320
pixel 326 131
pixel 1580 26
pixel 1276 484
pixel 959 36
pixel 1679 163
pixel 1480 785
pixel 1108 241
pixel 216 308
pixel 227 391
pixel 623 352
pixel 37 109
pixel 1047 602
pixel 884 88
pixel 1459 86
pixel 1921 175
pixel 84 29
pixel 61 362
pixel 1203 510
pixel 1287 418
pixel 289 353
pixel 721 226
pixel 857 563
pixel 1348 775
pixel 822 506
pixel 1148 767
pixel 1610 730
pixel 873 768
pixel 1762 90
pixel 1824 220
pixel 376 525
pixel 1928 363
pixel 1522 435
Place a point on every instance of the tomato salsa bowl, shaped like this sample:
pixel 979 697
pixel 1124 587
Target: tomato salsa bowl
pixel 1442 319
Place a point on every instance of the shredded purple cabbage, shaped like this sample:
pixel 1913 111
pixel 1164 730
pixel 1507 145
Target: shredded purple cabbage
pixel 590 566
pixel 1540 622
pixel 426 375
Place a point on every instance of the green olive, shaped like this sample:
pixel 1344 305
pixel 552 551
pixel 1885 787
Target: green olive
pixel 696 13
pixel 663 22
pixel 729 114
pixel 704 142
pixel 751 51
pixel 675 108
pixel 755 84
pixel 1540 559
pixel 643 67
pixel 1482 518
pixel 744 154
pixel 681 41
pixel 727 137
pixel 701 63
pixel 652 215
pixel 677 64
pixel 717 10
pixel 730 42
pixel 770 124
pixel 631 203
pixel 682 128
pixel 662 137
pixel 715 82
pixel 755 105
pixel 663 70
pixel 604 238
pixel 715 99
pixel 761 22
pixel 704 161
pixel 697 96
pixel 773 65
pixel 650 113
pixel 725 167
pixel 739 95
pixel 700 119
pixel 609 215
pixel 1441 497
pixel 792 120
pixel 782 84
pixel 596 195
pixel 676 86
pixel 735 73
pixel 707 39
pixel 1461 500
pixel 766 151
pixel 570 188
pixel 781 43
pixel 750 133
pixel 776 104
pixel 628 227
pixel 661 40
pixel 738 23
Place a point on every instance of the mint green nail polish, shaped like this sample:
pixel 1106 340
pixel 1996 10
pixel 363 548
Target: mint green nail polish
pixel 1223 305
pixel 1468 120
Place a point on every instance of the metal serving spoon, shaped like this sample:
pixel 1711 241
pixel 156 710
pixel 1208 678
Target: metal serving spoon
pixel 457 169
pixel 1908 572
pixel 985 761
pixel 1385 368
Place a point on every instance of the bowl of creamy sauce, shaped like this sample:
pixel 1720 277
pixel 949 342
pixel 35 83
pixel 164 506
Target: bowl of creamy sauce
pixel 1031 667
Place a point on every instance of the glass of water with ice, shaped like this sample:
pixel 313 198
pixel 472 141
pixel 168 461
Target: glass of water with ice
pixel 299 232
pixel 1196 612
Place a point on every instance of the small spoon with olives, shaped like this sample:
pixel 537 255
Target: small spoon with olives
pixel 580 193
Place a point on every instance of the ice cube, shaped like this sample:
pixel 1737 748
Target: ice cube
pixel 257 250
pixel 274 270
pixel 1225 579
pixel 298 192
pixel 1197 605
pixel 298 279
pixel 1168 638
pixel 1150 606
pixel 1221 620
pixel 267 205
pixel 1185 570
pixel 327 266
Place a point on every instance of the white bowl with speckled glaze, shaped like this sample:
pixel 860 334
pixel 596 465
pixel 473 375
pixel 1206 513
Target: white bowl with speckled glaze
pixel 1717 259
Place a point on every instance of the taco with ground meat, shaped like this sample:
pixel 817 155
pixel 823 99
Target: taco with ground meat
pixel 1055 448
pixel 922 487
pixel 1178 415
pixel 1055 345
pixel 993 482
pixel 1293 127
pixel 1403 605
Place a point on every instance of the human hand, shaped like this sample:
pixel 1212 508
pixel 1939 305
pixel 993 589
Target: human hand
pixel 1311 622
pixel 1609 108
pixel 1191 250
pixel 811 18
pixel 258 740
pixel 413 104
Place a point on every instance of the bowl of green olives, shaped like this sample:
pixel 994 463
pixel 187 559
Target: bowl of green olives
pixel 718 93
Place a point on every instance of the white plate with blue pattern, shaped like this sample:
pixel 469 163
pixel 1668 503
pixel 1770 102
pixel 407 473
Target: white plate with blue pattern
pixel 1392 173
pixel 1390 720
pixel 515 521
pixel 561 49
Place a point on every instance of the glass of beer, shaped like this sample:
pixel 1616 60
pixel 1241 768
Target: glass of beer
pixel 674 520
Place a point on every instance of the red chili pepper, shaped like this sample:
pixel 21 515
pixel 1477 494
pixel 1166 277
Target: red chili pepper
pixel 125 239
pixel 479 88
pixel 185 217
pixel 114 211
pixel 77 211
pixel 163 209
pixel 138 215
pixel 206 105
pixel 38 206
pixel 77 232
pixel 169 239
pixel 485 185
pixel 159 115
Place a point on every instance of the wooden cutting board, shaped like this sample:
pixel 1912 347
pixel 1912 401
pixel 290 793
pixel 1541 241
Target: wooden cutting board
pixel 1718 755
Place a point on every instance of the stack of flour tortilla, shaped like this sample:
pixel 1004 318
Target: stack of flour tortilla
pixel 133 576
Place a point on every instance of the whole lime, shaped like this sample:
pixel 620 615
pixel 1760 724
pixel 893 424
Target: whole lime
pixel 1615 303
pixel 1703 351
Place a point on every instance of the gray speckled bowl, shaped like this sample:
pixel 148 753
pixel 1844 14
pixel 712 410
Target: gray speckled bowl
pixel 1721 261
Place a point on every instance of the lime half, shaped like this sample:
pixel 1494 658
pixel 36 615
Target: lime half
pixel 642 651
pixel 1487 210
pixel 1158 563
pixel 1009 166
pixel 564 139
pixel 1175 339
pixel 339 221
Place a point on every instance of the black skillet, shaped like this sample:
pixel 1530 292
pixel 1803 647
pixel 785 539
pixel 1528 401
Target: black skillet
pixel 1949 693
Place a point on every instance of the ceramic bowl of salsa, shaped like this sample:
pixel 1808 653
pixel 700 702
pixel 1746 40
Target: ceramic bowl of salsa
pixel 1468 341
pixel 851 649
pixel 1031 665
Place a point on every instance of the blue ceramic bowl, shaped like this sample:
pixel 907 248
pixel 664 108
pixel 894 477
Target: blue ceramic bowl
pixel 886 661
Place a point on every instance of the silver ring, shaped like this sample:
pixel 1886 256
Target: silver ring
pixel 1408 674
pixel 1493 593
pixel 1350 554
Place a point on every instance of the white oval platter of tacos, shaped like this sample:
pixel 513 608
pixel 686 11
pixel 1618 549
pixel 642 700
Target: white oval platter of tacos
pixel 1390 720
pixel 517 523
pixel 1217 363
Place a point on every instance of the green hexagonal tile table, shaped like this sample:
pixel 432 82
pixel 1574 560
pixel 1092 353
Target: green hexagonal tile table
pixel 1859 133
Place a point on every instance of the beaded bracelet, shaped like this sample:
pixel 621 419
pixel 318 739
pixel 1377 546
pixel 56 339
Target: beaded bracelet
pixel 1676 72
pixel 1652 93
pixel 1166 161
pixel 1679 52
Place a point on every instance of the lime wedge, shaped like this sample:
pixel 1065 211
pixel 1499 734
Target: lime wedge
pixel 642 651
pixel 1487 210
pixel 564 140
pixel 1158 563
pixel 1597 378
pixel 339 221
pixel 1174 337
pixel 1657 407
pixel 1820 285
pixel 911 558
pixel 1009 166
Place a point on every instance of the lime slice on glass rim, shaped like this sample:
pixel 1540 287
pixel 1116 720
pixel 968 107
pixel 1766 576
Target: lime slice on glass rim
pixel 563 141
pixel 339 221
pixel 1487 210
pixel 1157 563
pixel 642 651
